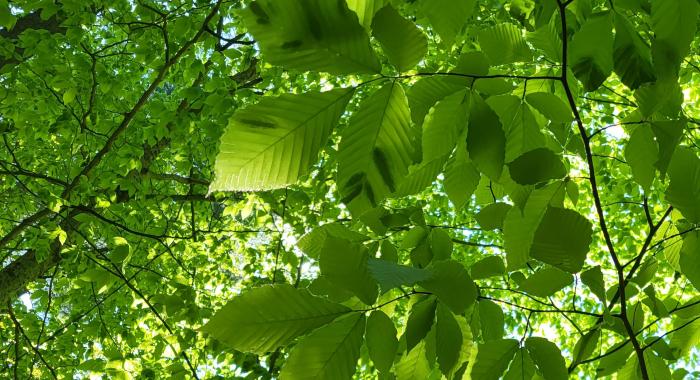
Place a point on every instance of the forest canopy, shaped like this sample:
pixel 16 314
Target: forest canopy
pixel 337 189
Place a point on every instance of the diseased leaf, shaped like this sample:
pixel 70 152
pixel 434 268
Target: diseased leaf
pixel 376 149
pixel 273 143
pixel 311 35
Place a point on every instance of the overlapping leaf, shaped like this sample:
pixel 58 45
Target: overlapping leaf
pixel 311 35
pixel 263 319
pixel 273 143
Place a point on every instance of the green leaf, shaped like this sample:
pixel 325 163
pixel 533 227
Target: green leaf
pixel 657 368
pixel 365 10
pixel 330 352
pixel 491 217
pixel 69 95
pixel 402 41
pixel 614 359
pixel 642 153
pixel 440 244
pixel 451 283
pixel 414 365
pixel 522 367
pixel 448 339
pixel 461 177
pixel 593 278
pixel 591 51
pixel 536 166
pixel 674 23
pixel 690 257
pixel 7 19
pixel 420 176
pixel 547 358
pixel 312 35
pixel 344 264
pixel 683 192
pixel 263 319
pixel 686 337
pixel 312 242
pixel 631 55
pixel 548 39
pixel 376 149
pixel 551 106
pixel 445 122
pixel 381 340
pixel 273 143
pixel 493 358
pixel 447 17
pixel 547 281
pixel 391 275
pixel 491 320
pixel 520 124
pixel 668 135
pixel 419 321
pixel 486 140
pixel 504 43
pixel 662 98
pixel 520 226
pixel 488 267
pixel 427 91
pixel 562 239
pixel 585 346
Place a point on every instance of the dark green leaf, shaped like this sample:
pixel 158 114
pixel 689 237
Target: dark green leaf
pixel 451 283
pixel 562 239
pixel 491 217
pixel 381 340
pixel 536 166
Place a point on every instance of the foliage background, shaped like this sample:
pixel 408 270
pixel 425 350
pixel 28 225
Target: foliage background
pixel 114 253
